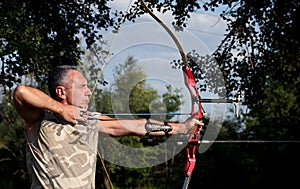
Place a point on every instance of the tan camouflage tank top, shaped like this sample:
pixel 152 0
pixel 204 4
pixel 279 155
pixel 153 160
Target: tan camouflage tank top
pixel 63 156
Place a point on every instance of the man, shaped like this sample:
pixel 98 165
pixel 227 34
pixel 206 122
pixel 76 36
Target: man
pixel 61 141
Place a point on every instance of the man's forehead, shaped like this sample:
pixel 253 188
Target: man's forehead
pixel 76 76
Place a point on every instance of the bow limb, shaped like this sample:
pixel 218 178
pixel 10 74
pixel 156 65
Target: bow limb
pixel 99 74
pixel 179 46
pixel 196 103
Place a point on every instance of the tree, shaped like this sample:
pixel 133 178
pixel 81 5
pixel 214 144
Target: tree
pixel 37 35
pixel 131 93
pixel 263 34
pixel 13 169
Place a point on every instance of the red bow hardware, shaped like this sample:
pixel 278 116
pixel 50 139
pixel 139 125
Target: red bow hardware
pixel 197 114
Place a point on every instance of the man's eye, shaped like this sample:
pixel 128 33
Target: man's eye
pixel 81 86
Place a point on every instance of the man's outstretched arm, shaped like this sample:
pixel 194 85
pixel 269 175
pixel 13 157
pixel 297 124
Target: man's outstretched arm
pixel 120 127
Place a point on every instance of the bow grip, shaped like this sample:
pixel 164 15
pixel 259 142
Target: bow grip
pixel 195 96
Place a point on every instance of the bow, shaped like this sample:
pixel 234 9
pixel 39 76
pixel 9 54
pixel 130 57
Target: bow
pixel 196 110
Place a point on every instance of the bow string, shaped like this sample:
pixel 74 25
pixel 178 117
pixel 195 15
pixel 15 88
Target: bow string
pixel 99 74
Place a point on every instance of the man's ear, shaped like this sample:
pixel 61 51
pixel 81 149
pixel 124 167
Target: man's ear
pixel 61 92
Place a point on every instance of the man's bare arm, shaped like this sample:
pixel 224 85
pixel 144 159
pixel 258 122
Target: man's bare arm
pixel 121 127
pixel 30 103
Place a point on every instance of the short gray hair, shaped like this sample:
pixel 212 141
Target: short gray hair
pixel 57 76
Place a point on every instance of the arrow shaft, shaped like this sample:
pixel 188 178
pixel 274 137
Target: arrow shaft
pixel 218 100
pixel 146 114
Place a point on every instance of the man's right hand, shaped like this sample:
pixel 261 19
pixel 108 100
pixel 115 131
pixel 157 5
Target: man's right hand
pixel 72 114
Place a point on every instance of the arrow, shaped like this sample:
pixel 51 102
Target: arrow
pixel 96 114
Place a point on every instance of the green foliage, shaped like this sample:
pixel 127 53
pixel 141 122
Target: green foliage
pixel 131 93
pixel 36 35
pixel 260 48
pixel 13 169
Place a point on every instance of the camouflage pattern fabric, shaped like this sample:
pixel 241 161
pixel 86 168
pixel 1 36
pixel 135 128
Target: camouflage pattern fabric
pixel 63 156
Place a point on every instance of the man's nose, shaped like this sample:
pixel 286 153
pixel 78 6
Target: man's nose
pixel 88 92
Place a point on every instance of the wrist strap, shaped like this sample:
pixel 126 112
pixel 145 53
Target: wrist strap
pixel 155 127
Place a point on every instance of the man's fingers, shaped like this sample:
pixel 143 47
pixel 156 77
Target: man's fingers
pixel 198 122
pixel 84 118
pixel 82 115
